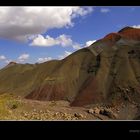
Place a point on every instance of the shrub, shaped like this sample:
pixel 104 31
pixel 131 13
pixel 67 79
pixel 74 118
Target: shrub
pixel 13 104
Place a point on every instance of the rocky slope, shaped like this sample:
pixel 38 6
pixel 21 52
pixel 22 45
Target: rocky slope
pixel 108 71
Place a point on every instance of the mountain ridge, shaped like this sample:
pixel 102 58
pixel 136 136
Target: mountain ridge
pixel 104 72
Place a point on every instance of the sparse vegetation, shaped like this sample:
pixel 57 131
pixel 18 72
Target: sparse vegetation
pixel 13 104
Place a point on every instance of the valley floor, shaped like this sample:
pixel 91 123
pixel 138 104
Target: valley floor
pixel 17 108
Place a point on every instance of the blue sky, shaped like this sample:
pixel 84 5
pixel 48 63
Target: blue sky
pixel 38 34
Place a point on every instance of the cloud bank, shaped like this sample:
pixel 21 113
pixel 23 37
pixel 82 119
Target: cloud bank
pixel 62 40
pixel 136 26
pixel 19 23
pixel 23 57
pixel 41 59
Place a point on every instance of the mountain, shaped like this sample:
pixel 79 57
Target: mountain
pixel 12 63
pixel 108 71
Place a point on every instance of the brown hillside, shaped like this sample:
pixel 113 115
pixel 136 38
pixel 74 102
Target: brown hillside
pixel 96 74
pixel 113 37
pixel 130 33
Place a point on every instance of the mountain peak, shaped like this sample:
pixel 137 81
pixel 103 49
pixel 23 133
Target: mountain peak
pixel 129 33
pixel 125 29
pixel 11 63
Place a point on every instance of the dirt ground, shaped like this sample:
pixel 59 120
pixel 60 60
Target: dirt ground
pixel 17 108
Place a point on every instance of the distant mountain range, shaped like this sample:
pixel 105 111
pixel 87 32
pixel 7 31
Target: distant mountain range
pixel 108 71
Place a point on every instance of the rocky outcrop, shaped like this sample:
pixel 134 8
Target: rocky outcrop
pixel 103 111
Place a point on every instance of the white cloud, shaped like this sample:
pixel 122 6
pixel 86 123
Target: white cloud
pixel 62 40
pixel 76 46
pixel 65 40
pixel 23 57
pixel 136 26
pixel 2 57
pixel 44 41
pixel 104 10
pixel 41 60
pixel 82 11
pixel 66 53
pixel 20 59
pixel 22 22
pixel 8 61
pixel 88 43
